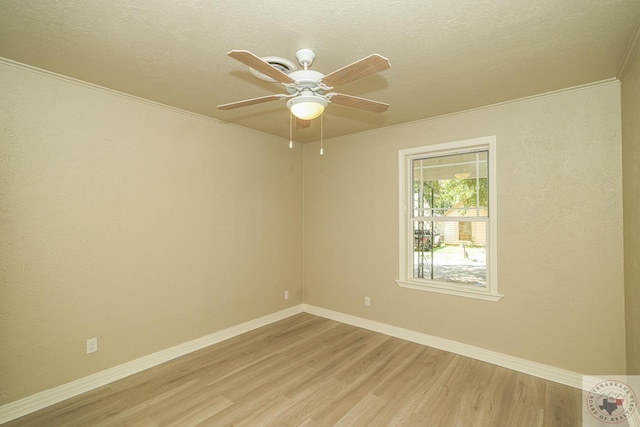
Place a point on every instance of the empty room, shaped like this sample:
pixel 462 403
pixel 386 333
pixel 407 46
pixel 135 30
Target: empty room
pixel 421 213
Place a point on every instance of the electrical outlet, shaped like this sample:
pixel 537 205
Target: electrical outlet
pixel 92 345
pixel 367 301
pixel 286 294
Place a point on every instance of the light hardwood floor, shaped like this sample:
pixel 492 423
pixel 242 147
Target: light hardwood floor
pixel 310 371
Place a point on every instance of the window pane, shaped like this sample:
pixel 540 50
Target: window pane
pixel 439 252
pixel 454 185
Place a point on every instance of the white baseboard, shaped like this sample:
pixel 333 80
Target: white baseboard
pixel 55 395
pixel 540 370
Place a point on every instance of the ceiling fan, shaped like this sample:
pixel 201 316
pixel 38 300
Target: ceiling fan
pixel 307 97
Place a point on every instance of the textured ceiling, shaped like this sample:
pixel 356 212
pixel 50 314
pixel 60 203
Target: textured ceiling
pixel 445 55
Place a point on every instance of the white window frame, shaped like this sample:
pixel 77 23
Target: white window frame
pixel 406 238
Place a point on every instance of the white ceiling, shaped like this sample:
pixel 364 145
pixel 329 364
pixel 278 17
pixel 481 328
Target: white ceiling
pixel 446 55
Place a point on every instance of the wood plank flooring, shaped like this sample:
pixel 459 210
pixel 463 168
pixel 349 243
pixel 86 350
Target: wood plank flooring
pixel 310 371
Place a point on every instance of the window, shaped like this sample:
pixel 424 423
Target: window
pixel 447 218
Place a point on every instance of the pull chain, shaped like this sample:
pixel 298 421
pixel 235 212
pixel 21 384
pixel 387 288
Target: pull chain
pixel 290 130
pixel 321 135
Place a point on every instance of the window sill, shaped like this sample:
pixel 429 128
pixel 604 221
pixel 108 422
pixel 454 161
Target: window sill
pixel 450 290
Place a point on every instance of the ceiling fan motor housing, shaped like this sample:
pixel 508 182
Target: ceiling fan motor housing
pixel 305 80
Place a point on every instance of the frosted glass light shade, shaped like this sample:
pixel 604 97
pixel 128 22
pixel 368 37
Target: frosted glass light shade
pixel 307 107
pixel 307 110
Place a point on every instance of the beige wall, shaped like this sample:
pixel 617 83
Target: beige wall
pixel 560 250
pixel 148 227
pixel 631 183
pixel 134 223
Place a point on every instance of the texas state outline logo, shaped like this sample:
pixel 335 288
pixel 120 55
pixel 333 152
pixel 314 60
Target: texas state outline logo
pixel 611 402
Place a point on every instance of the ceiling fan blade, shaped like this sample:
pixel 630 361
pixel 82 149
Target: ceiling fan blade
pixel 355 102
pixel 249 59
pixel 369 65
pixel 251 101
pixel 302 124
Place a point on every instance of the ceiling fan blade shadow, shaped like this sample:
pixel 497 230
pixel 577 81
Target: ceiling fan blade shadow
pixel 249 59
pixel 356 102
pixel 362 68
pixel 252 101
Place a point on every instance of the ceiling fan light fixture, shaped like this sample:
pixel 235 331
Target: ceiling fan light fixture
pixel 307 107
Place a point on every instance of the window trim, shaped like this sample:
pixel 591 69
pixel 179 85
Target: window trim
pixel 405 158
